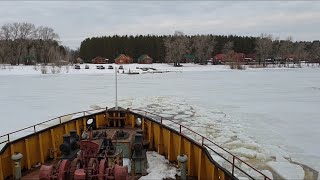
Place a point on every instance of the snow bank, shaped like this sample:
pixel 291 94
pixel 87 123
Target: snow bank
pixel 159 167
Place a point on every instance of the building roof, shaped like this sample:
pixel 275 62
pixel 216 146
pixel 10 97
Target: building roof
pixel 121 56
pixel 143 57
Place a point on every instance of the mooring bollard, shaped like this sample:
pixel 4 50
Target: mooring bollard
pixel 182 158
pixel 16 157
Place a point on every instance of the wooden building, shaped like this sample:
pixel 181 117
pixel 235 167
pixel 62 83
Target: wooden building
pixel 145 59
pixel 123 59
pixel 99 60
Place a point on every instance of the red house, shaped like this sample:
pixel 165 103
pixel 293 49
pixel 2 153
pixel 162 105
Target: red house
pixel 123 59
pixel 99 60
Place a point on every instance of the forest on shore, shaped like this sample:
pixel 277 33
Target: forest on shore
pixel 177 47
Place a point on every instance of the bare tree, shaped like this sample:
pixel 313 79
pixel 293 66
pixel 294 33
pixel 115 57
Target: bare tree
pixel 176 47
pixel 203 47
pixel 24 41
pixel 46 33
pixel 6 44
pixel 264 48
pixel 53 54
pixel 17 36
pixel 285 49
pixel 47 39
pixel 228 51
pixel 68 56
pixel 229 54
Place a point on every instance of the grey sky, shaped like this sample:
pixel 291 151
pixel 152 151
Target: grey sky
pixel 76 20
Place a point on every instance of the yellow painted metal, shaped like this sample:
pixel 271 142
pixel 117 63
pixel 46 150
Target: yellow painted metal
pixel 53 144
pixel 160 140
pixel 97 121
pixel 174 146
pixel 166 142
pixel 215 173
pixel 199 166
pixel 126 122
pixel 221 174
pixel 150 134
pixel 11 164
pixel 1 171
pixel 190 160
pixel 77 127
pixel 28 153
pixel 66 129
pixel 132 121
pixel 179 144
pixel 169 146
pixel 6 163
pixel 100 120
pixel 142 123
pixel 108 119
pixel 84 121
pixel 41 148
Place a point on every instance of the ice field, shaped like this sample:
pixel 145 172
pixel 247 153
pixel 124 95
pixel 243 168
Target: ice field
pixel 269 117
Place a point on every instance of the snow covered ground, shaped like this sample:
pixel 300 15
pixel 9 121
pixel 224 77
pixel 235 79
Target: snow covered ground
pixel 36 69
pixel 269 117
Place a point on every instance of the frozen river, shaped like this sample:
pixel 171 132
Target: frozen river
pixel 274 110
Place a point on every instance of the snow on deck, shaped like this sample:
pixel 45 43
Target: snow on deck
pixel 159 167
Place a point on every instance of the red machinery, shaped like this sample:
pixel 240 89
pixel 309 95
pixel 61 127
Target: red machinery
pixel 96 159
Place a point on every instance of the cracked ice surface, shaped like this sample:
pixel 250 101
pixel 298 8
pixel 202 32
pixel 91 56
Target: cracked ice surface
pixel 223 129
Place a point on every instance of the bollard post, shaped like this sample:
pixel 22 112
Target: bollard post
pixel 182 158
pixel 16 158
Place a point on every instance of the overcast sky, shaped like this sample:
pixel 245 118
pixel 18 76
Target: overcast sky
pixel 76 20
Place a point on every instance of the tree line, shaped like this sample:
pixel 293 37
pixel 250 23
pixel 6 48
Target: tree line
pixel 274 50
pixel 24 43
pixel 157 47
pixel 174 48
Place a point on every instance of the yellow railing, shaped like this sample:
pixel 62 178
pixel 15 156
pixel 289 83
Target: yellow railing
pixel 230 161
pixel 33 128
pixel 40 142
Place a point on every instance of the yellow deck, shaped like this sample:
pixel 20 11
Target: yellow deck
pixel 39 146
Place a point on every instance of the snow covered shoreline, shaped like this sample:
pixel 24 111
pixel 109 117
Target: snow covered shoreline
pixel 187 67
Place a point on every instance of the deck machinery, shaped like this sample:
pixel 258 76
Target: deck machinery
pixel 98 154
pixel 101 143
